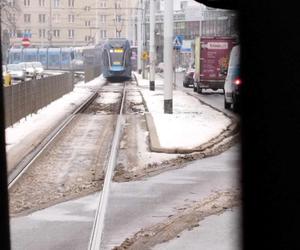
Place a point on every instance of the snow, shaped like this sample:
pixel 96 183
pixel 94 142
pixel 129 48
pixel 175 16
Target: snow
pixel 47 115
pixel 191 123
pixel 108 98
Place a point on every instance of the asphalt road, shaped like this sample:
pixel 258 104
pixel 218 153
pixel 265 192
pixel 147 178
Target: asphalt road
pixel 132 206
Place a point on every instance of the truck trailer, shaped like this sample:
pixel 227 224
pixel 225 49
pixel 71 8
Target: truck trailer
pixel 211 62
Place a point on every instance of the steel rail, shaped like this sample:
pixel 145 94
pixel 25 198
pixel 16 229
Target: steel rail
pixel 31 157
pixel 96 235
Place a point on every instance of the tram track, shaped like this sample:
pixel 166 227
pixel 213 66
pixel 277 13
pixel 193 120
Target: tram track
pixel 64 146
pixel 29 159
pixel 96 234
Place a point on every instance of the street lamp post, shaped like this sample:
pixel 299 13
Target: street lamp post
pixel 152 44
pixel 168 50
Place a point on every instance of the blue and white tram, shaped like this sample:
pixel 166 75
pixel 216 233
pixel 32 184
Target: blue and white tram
pixel 116 59
pixel 67 58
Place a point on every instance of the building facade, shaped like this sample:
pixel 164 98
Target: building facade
pixel 191 20
pixel 62 23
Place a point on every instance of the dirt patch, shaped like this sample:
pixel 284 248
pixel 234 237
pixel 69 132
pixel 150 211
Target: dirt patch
pixel 106 103
pixel 70 168
pixel 186 218
pixel 136 161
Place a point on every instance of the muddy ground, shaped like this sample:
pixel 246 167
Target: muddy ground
pixel 187 217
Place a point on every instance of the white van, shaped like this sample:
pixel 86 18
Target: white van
pixel 233 81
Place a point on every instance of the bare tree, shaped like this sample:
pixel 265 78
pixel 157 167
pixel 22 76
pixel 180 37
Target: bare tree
pixel 8 10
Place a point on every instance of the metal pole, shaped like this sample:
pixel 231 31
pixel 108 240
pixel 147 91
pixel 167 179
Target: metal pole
pixel 50 24
pixel 152 44
pixel 139 36
pixel 144 37
pixel 97 24
pixel 168 50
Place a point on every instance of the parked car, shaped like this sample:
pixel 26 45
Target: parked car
pixel 6 76
pixel 39 69
pixel 160 68
pixel 29 69
pixel 16 71
pixel 233 81
pixel 180 69
pixel 188 79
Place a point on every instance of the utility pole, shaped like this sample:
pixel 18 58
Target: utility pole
pixel 139 36
pixel 168 57
pixel 144 3
pixel 50 25
pixel 152 44
pixel 97 24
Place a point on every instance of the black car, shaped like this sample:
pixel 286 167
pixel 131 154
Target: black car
pixel 188 79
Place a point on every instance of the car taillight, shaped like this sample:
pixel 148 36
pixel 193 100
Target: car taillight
pixel 237 81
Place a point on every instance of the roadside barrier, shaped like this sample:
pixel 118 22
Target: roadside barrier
pixel 28 97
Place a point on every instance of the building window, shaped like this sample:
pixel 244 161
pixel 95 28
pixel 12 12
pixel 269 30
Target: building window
pixel 183 5
pixel 118 34
pixel 12 3
pixel 71 3
pixel 103 33
pixel 12 33
pixel 87 8
pixel 42 33
pixel 56 18
pixel 117 5
pixel 71 33
pixel 71 18
pixel 41 2
pixel 102 4
pixel 102 18
pixel 27 18
pixel 42 18
pixel 26 3
pixel 118 18
pixel 88 38
pixel 56 33
pixel 27 33
pixel 87 23
pixel 56 3
pixel 12 17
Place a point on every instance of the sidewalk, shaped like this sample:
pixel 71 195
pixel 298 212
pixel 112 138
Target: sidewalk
pixel 192 127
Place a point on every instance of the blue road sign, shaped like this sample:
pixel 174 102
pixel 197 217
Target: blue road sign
pixel 177 43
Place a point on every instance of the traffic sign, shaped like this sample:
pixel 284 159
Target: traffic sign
pixel 25 42
pixel 145 56
pixel 177 43
pixel 186 46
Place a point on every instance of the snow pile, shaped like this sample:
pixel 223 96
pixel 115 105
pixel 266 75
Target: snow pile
pixel 36 123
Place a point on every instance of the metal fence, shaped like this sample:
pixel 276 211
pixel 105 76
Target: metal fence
pixel 91 72
pixel 28 97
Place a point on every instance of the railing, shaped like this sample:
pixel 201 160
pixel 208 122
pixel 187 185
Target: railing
pixel 28 97
pixel 91 72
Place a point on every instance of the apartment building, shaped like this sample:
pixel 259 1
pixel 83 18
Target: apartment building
pixel 69 22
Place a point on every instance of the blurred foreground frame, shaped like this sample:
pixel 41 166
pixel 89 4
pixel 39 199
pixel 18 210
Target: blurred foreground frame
pixel 270 124
pixel 4 211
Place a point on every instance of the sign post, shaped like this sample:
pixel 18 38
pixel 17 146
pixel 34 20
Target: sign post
pixel 177 44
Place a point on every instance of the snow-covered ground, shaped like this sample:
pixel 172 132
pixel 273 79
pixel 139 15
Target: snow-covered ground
pixel 46 116
pixel 191 124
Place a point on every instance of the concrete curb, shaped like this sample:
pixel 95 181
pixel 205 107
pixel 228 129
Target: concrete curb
pixel 154 142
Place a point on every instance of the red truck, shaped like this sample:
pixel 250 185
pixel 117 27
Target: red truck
pixel 211 62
